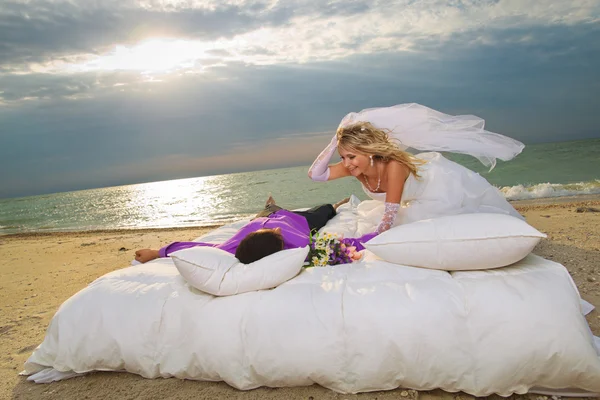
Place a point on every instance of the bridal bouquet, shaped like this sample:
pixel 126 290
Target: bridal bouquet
pixel 330 249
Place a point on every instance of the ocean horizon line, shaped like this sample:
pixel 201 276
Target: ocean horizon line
pixel 307 165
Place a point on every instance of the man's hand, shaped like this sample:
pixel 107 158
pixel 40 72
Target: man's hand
pixel 145 255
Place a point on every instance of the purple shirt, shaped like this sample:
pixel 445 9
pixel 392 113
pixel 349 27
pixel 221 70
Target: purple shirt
pixel 294 230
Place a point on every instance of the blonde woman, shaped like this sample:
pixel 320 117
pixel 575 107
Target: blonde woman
pixel 372 146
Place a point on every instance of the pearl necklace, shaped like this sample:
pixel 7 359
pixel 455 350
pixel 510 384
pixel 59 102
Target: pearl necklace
pixel 378 182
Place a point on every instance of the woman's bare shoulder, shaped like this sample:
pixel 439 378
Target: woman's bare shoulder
pixel 396 169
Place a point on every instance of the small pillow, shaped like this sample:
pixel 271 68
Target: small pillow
pixel 458 242
pixel 219 273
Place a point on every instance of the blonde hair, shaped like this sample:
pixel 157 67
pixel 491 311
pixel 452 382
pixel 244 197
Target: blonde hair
pixel 365 138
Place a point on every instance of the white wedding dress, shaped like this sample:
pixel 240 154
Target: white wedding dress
pixel 446 188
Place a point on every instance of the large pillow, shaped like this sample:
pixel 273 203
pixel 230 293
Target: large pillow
pixel 219 273
pixel 458 242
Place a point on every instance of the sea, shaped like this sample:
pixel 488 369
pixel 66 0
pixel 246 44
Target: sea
pixel 540 171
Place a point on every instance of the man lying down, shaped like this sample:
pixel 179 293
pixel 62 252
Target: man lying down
pixel 273 229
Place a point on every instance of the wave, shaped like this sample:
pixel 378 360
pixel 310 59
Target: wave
pixel 542 190
pixel 8 227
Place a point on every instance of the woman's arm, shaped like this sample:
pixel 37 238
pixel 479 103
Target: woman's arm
pixel 321 171
pixel 396 175
pixel 337 171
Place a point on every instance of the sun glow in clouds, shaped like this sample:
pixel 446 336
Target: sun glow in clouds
pixel 155 55
pixel 305 38
pixel 316 37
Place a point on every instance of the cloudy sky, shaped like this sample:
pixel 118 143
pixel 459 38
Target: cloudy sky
pixel 106 92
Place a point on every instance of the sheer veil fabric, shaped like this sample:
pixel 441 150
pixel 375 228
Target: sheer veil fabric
pixel 418 127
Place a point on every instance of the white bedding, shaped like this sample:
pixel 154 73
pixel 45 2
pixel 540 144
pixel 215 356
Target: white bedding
pixel 353 328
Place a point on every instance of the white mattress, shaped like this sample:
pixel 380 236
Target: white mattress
pixel 352 328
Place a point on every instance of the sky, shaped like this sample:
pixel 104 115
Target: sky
pixel 97 93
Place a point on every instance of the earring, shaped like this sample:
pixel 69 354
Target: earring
pixel 371 157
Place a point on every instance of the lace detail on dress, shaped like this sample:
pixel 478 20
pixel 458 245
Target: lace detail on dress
pixel 319 170
pixel 389 216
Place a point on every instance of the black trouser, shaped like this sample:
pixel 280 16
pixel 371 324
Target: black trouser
pixel 316 217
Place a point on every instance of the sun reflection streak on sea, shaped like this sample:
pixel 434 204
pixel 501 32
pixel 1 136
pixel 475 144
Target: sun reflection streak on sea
pixel 182 202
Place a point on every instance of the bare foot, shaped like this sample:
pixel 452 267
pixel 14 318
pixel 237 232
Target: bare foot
pixel 145 255
pixel 341 202
pixel 270 201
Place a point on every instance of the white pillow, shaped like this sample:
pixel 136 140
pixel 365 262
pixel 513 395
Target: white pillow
pixel 219 273
pixel 458 242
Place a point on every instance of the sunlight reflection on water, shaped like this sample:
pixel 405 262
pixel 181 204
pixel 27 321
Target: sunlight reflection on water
pixel 184 202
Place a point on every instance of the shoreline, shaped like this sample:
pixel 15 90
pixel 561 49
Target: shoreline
pixel 556 201
pixel 42 270
pixel 545 202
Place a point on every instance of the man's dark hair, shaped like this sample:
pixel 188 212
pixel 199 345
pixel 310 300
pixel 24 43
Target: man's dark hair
pixel 257 245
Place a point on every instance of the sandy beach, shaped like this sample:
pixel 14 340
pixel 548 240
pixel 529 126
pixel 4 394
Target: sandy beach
pixel 40 271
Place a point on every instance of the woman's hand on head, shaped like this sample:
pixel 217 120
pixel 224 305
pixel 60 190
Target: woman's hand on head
pixel 145 255
pixel 319 170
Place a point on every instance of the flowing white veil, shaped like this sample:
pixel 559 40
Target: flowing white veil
pixel 422 128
